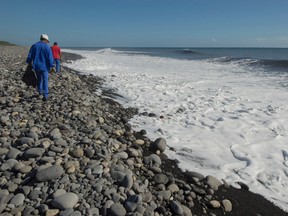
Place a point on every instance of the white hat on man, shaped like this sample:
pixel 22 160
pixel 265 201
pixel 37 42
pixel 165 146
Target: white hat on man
pixel 44 36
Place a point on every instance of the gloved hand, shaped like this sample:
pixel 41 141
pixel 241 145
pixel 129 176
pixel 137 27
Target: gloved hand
pixel 53 70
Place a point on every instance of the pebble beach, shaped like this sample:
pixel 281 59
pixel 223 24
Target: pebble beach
pixel 77 154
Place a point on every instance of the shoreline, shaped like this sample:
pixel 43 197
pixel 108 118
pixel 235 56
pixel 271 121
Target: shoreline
pixel 116 150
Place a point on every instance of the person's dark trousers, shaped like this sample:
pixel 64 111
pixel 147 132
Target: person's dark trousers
pixel 42 84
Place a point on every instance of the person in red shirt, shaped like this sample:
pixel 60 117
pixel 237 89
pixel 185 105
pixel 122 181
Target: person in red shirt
pixel 57 56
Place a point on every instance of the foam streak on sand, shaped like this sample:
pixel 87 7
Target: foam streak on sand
pixel 224 119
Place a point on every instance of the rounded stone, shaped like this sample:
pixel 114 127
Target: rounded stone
pixel 17 200
pixel 186 211
pixel 122 155
pixel 133 202
pixel 34 152
pixel 173 188
pixel 152 160
pixel 127 182
pixel 159 144
pixel 55 134
pixel 52 212
pixel 25 169
pixel 215 204
pixel 213 182
pixel 161 179
pixel 176 207
pixel 65 201
pixel 49 173
pixel 78 153
pixel 3 151
pixel 117 209
pixel 227 205
pixel 139 142
pixel 13 153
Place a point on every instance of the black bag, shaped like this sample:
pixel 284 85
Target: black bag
pixel 30 77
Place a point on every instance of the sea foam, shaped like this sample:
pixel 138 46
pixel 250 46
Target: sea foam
pixel 226 119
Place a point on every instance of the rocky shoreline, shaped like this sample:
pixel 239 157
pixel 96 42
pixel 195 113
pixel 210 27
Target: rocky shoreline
pixel 76 154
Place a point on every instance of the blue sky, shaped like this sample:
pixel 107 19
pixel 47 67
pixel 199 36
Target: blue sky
pixel 147 23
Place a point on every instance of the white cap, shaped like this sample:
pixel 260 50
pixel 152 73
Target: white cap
pixel 44 36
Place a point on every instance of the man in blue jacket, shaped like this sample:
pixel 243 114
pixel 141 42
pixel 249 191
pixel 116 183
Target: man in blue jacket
pixel 41 59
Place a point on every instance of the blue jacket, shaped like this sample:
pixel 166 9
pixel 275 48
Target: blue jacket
pixel 40 56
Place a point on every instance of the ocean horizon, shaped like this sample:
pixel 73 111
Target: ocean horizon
pixel 223 111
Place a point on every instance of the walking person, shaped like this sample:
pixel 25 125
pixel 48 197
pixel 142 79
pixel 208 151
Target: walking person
pixel 56 55
pixel 41 58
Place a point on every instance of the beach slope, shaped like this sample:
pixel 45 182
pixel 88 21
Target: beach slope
pixel 77 154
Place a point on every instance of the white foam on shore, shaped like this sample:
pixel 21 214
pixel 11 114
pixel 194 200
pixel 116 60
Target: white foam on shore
pixel 224 120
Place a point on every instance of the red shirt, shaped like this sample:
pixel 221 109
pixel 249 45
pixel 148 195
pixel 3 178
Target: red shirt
pixel 56 51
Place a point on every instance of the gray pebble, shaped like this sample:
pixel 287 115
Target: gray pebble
pixel 49 173
pixel 34 152
pixel 65 201
pixel 17 200
pixel 176 207
pixel 13 153
pixel 161 179
pixel 159 144
pixel 133 202
pixel 117 209
pixel 227 205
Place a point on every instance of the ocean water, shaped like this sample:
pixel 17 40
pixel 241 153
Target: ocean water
pixel 223 111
